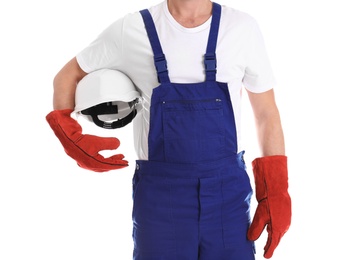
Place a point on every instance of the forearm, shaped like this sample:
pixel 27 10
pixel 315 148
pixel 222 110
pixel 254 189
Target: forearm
pixel 270 134
pixel 268 123
pixel 64 85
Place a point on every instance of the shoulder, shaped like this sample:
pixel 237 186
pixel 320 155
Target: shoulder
pixel 134 20
pixel 236 19
pixel 127 24
pixel 135 17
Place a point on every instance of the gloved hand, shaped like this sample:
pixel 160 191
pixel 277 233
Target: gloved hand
pixel 84 148
pixel 274 202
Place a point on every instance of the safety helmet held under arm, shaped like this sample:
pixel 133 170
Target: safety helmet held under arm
pixel 108 98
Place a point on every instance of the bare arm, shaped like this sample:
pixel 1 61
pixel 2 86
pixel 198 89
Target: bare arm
pixel 65 83
pixel 268 123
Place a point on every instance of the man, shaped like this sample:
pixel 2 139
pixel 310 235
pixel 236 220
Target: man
pixel 189 60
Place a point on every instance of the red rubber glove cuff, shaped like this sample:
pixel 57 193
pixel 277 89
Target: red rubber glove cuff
pixel 84 149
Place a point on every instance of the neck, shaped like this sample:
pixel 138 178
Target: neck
pixel 190 13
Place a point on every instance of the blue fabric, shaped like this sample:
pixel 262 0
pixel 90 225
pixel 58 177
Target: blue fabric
pixel 192 197
pixel 195 212
pixel 159 57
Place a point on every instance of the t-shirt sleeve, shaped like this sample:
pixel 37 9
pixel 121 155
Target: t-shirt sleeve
pixel 258 75
pixel 104 51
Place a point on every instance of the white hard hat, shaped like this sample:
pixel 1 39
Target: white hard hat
pixel 108 98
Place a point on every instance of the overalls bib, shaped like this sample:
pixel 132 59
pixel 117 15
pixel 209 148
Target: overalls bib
pixel 192 197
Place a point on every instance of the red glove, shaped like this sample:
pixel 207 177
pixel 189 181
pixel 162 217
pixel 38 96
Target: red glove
pixel 84 149
pixel 274 202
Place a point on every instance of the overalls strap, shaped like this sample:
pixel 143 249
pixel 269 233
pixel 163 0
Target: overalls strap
pixel 210 56
pixel 159 57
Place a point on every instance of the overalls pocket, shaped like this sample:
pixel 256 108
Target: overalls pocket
pixel 153 231
pixel 193 130
pixel 237 193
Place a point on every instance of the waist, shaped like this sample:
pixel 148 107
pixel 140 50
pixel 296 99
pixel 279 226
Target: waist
pixel 190 170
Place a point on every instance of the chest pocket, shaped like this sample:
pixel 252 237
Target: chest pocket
pixel 193 130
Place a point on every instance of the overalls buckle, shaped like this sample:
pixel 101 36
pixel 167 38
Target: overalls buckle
pixel 210 62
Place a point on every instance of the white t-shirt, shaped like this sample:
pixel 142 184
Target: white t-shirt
pixel 241 58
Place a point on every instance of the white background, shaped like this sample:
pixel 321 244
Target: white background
pixel 52 209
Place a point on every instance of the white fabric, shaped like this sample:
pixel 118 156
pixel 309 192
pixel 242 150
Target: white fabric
pixel 241 58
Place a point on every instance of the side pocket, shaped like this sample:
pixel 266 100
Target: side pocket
pixel 241 160
pixel 244 179
pixel 135 184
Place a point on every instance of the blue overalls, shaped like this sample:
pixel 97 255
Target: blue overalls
pixel 192 197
